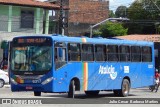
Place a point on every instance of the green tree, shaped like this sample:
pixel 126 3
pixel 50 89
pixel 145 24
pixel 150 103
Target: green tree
pixel 111 14
pixel 137 12
pixel 144 10
pixel 143 15
pixel 121 11
pixel 111 29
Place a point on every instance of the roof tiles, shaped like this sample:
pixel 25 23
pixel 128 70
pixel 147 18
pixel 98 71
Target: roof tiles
pixel 151 37
pixel 32 3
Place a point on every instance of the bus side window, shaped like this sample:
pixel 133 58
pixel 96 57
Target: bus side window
pixel 124 53
pixel 55 55
pixel 146 54
pixel 74 52
pixel 113 53
pixel 100 52
pixel 87 52
pixel 60 55
pixel 135 54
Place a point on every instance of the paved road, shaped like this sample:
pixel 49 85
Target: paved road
pixel 5 92
pixel 81 98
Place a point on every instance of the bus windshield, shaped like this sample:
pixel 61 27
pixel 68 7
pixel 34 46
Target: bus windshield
pixel 31 59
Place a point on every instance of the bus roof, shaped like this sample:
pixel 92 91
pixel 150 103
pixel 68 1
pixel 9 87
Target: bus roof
pixel 60 38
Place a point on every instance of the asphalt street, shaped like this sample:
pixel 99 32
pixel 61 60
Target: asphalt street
pixel 59 100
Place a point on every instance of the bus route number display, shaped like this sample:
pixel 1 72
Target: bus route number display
pixel 31 40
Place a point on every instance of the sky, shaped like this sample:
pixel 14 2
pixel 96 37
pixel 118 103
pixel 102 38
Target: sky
pixel 113 4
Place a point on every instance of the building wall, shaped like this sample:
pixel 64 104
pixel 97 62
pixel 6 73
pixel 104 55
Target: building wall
pixel 84 13
pixel 78 29
pixel 16 19
pixel 88 11
pixel 3 18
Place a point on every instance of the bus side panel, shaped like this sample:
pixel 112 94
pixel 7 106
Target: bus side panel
pixel 115 74
pixel 104 76
pixel 96 79
pixel 147 74
pixel 65 74
pixel 61 79
pixel 135 74
pixel 129 70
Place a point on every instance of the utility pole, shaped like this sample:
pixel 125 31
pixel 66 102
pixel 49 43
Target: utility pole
pixel 61 29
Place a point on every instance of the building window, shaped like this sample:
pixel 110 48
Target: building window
pixel 27 19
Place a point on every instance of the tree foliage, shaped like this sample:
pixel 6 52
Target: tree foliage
pixel 121 11
pixel 111 14
pixel 110 29
pixel 144 10
pixel 144 16
pixel 137 12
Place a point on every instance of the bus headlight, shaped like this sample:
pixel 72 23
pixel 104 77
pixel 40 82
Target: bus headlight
pixel 13 81
pixel 47 81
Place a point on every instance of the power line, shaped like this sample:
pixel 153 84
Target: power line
pixel 155 5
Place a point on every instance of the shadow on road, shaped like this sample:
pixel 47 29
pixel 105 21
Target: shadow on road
pixel 102 98
pixel 83 96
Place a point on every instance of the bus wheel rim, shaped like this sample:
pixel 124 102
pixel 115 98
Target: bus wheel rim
pixel 125 88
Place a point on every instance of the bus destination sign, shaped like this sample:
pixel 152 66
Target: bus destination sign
pixel 31 40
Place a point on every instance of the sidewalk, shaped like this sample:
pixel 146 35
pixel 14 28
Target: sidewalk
pixel 7 86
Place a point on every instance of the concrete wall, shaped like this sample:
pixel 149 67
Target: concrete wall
pixel 3 18
pixel 16 19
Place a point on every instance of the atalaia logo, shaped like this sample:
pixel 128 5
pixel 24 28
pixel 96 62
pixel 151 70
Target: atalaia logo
pixel 108 70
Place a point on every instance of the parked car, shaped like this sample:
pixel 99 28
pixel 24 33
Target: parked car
pixel 4 79
pixel 4 65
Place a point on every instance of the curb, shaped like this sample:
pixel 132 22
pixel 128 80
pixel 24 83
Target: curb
pixel 7 86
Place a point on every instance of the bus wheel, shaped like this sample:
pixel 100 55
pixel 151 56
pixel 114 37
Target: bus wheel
pixel 91 93
pixel 71 89
pixel 37 93
pixel 125 88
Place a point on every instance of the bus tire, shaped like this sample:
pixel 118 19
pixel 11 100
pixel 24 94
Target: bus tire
pixel 125 88
pixel 92 93
pixel 37 93
pixel 71 92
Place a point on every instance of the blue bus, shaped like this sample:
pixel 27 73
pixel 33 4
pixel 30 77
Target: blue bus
pixel 57 64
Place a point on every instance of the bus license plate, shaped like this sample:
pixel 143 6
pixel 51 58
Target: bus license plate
pixel 33 81
pixel 29 88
